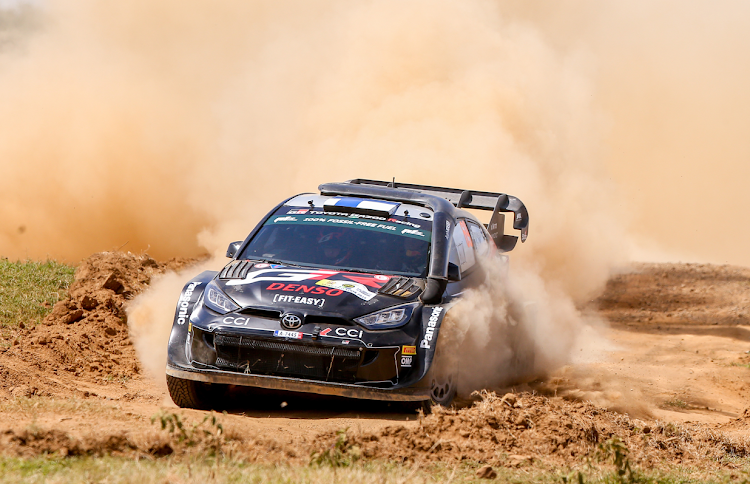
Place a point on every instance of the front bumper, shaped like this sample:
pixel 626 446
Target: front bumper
pixel 410 394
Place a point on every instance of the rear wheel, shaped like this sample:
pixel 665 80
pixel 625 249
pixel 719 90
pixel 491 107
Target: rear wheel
pixel 194 394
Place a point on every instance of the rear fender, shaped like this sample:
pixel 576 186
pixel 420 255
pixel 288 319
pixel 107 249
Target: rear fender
pixel 190 294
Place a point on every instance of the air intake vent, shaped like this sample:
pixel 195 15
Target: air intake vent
pixel 237 269
pixel 261 313
pixel 402 287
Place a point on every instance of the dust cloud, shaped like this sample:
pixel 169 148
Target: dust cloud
pixel 172 126
pixel 150 317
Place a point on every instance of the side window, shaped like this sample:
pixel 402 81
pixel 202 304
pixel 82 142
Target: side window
pixel 481 245
pixel 463 247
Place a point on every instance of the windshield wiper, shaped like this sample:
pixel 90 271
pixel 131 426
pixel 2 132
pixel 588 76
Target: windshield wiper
pixel 275 261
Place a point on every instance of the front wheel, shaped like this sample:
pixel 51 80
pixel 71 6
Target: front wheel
pixel 194 394
pixel 443 389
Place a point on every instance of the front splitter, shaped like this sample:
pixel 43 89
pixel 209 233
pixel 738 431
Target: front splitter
pixel 301 386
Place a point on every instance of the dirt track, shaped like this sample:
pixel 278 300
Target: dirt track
pixel 679 350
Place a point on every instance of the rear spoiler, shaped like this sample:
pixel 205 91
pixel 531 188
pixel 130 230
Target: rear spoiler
pixel 497 202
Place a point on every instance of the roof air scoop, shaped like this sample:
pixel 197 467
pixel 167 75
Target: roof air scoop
pixel 376 208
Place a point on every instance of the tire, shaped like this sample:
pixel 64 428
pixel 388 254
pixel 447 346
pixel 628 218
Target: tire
pixel 522 362
pixel 442 379
pixel 443 389
pixel 194 394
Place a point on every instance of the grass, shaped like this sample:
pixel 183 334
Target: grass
pixel 115 470
pixel 676 403
pixel 28 406
pixel 29 289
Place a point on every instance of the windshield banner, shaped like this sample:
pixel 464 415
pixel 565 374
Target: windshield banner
pixel 416 229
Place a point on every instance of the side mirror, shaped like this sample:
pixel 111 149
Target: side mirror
pixel 454 273
pixel 233 248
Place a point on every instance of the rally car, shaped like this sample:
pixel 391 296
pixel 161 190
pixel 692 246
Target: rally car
pixel 341 293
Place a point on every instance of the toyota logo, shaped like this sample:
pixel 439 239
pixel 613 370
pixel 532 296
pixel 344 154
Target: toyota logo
pixel 291 321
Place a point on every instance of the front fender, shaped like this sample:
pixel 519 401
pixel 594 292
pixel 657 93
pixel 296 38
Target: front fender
pixel 190 294
pixel 432 318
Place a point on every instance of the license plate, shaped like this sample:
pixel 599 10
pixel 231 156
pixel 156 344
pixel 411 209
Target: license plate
pixel 287 334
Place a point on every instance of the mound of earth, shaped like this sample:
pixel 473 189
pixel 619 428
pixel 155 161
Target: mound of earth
pixel 669 294
pixel 518 429
pixel 86 334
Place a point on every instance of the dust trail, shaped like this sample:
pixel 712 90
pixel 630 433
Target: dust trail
pixel 150 318
pixel 514 328
pixel 145 124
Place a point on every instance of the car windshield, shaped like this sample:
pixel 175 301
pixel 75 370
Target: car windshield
pixel 301 236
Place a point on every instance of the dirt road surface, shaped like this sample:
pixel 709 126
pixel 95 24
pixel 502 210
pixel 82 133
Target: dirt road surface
pixel 677 350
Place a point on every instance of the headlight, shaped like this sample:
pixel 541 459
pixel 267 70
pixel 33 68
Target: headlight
pixel 214 299
pixel 387 318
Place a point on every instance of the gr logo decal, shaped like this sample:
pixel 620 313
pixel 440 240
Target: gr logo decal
pixel 282 275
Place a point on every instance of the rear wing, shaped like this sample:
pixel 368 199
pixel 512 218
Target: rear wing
pixel 497 202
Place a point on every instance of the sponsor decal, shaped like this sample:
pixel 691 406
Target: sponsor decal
pixel 430 330
pixel 378 224
pixel 280 286
pixel 408 350
pixel 262 265
pixel 372 281
pixel 287 334
pixel 298 211
pixel 447 229
pixel 355 288
pixel 291 321
pixel 184 302
pixel 236 320
pixel 518 217
pixel 310 301
pixel 345 342
pixel 406 361
pixel 351 332
pixel 344 333
pixel 406 222
pixel 412 232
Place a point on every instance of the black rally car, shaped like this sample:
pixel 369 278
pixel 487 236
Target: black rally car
pixel 341 293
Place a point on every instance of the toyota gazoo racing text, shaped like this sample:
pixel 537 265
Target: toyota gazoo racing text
pixel 341 293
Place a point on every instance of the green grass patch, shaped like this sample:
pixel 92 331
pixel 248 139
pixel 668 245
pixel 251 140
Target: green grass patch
pixel 742 365
pixel 676 403
pixel 189 470
pixel 29 289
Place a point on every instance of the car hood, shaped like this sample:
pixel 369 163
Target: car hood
pixel 311 290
